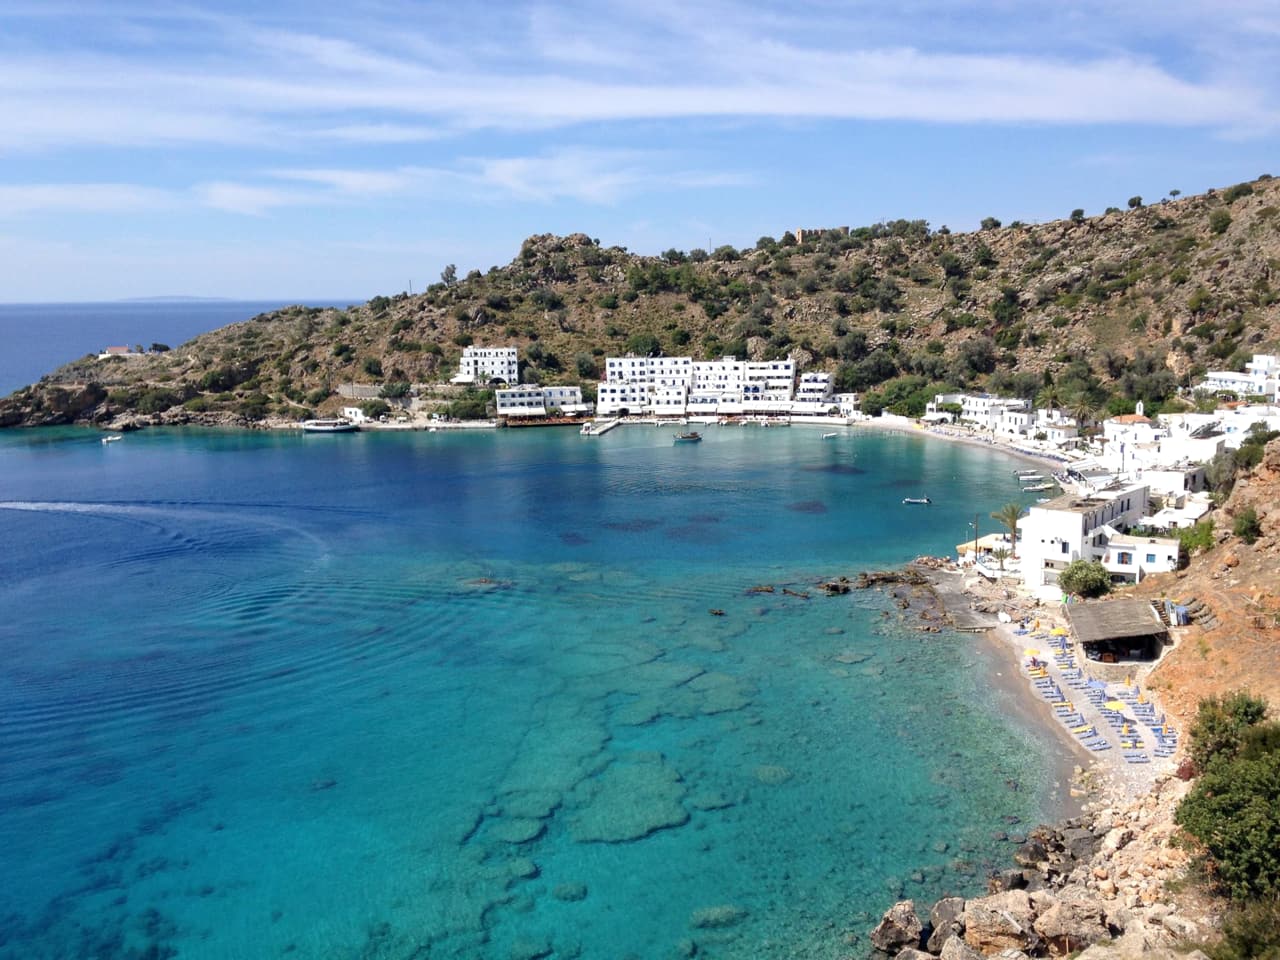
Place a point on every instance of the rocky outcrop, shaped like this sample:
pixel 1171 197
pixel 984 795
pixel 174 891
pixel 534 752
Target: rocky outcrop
pixel 898 928
pixel 1097 884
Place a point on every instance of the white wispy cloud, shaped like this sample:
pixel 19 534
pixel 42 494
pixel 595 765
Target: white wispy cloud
pixel 25 199
pixel 406 78
pixel 251 199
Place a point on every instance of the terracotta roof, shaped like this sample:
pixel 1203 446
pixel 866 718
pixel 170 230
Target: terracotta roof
pixel 1131 418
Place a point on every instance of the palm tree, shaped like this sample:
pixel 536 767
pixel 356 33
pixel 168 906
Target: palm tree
pixel 1082 409
pixel 1049 397
pixel 1001 554
pixel 1009 515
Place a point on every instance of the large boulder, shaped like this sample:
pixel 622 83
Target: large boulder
pixel 1011 879
pixel 1071 925
pixel 944 919
pixel 911 953
pixel 898 928
pixel 956 949
pixel 1031 853
pixel 1000 922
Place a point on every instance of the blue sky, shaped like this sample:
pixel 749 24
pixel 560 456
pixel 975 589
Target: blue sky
pixel 293 150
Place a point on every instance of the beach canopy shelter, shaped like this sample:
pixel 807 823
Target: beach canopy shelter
pixel 1114 631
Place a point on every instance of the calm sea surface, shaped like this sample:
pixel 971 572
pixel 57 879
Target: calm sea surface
pixel 39 337
pixel 461 696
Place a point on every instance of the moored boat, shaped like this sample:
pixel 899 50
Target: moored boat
pixel 113 438
pixel 692 436
pixel 924 500
pixel 329 425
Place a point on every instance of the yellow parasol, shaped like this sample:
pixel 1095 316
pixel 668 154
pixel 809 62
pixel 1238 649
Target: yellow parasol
pixel 1128 681
pixel 1114 705
pixel 1142 698
pixel 1058 632
pixel 1032 652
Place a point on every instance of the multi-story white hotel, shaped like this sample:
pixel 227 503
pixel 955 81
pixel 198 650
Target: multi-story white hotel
pixel 488 365
pixel 679 385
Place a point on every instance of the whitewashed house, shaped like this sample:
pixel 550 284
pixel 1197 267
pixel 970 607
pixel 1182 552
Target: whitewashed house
pixel 1261 377
pixel 1130 559
pixel 1073 527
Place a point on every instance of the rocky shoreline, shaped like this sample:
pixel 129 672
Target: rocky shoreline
pixel 1101 885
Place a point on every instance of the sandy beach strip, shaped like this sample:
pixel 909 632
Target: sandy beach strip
pixel 1007 656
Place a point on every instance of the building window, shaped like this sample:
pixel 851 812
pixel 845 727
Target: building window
pixel 1064 546
pixel 1151 558
pixel 1126 559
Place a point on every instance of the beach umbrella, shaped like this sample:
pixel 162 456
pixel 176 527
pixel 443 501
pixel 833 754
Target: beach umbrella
pixel 1097 684
pixel 1142 698
pixel 1032 652
pixel 1128 681
pixel 1058 632
pixel 1114 705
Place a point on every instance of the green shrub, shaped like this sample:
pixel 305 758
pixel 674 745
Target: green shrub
pixel 1250 932
pixel 157 400
pixel 1219 220
pixel 373 409
pixel 1086 578
pixel 1199 537
pixel 1233 813
pixel 1247 526
pixel 1220 724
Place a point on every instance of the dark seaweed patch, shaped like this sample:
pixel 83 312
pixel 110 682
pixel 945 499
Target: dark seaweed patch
pixel 807 506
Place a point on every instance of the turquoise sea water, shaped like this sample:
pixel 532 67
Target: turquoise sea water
pixel 428 695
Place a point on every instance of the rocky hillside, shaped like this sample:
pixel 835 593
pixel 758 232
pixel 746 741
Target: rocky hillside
pixel 1239 583
pixel 1094 311
pixel 1103 886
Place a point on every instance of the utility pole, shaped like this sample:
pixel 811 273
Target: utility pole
pixel 975 538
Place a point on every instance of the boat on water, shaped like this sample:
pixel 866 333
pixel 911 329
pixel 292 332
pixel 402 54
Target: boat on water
pixel 830 436
pixel 691 437
pixel 1031 478
pixel 113 438
pixel 1024 473
pixel 1037 487
pixel 329 425
pixel 924 500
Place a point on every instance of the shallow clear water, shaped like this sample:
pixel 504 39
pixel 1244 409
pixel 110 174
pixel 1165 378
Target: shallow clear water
pixel 407 695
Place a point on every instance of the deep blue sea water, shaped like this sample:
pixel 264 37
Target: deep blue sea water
pixel 40 337
pixel 461 696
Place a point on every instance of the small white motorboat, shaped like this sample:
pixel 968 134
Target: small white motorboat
pixel 924 500
pixel 830 436
pixel 112 438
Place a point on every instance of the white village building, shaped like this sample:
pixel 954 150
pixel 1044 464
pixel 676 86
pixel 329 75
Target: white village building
pixel 1261 377
pixel 536 401
pixel 487 365
pixel 1074 527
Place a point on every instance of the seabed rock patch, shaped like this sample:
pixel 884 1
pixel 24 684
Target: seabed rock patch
pixel 631 799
